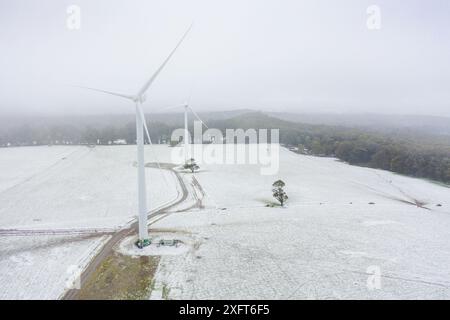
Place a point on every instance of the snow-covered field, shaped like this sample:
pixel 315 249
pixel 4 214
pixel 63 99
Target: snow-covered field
pixel 343 226
pixel 47 188
pixel 348 232
pixel 75 187
pixel 43 267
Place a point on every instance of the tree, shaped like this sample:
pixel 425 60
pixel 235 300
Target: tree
pixel 278 192
pixel 317 148
pixel 191 165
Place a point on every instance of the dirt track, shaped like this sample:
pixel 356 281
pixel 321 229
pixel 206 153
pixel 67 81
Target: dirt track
pixel 118 236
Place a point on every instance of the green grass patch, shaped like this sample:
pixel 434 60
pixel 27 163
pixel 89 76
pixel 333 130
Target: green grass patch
pixel 121 277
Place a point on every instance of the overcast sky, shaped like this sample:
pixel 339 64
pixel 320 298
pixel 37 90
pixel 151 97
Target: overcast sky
pixel 278 55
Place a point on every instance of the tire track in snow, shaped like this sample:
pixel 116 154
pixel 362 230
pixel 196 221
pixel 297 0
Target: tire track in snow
pixel 50 170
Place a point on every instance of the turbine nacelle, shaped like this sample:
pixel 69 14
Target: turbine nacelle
pixel 140 99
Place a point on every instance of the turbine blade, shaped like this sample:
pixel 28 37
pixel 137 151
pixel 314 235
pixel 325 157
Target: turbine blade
pixel 172 107
pixel 189 98
pixel 153 77
pixel 109 92
pixel 142 115
pixel 197 116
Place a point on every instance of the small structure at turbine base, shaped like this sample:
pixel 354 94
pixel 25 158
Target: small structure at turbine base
pixel 169 242
pixel 143 243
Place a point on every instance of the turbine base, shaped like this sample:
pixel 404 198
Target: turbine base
pixel 143 243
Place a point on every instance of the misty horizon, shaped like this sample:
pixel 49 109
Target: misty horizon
pixel 155 111
pixel 303 57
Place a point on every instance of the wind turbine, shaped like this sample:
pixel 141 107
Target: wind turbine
pixel 138 99
pixel 186 139
pixel 186 106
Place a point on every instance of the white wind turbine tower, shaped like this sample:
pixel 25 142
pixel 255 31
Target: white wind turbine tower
pixel 138 99
pixel 186 131
pixel 186 140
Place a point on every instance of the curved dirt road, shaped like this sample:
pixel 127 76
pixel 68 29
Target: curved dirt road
pixel 118 236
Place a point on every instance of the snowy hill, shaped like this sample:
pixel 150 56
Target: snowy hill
pixel 343 226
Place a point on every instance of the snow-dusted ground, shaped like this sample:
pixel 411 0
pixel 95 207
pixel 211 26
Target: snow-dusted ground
pixel 57 187
pixel 327 243
pixel 43 267
pixel 330 242
pixel 76 187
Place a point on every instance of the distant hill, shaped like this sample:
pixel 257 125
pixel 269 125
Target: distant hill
pixel 106 120
pixel 408 151
pixel 418 123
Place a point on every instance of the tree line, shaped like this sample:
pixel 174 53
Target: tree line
pixel 363 149
pixel 406 153
pixel 417 157
pixel 28 135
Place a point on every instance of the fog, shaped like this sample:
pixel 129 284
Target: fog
pixel 297 56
